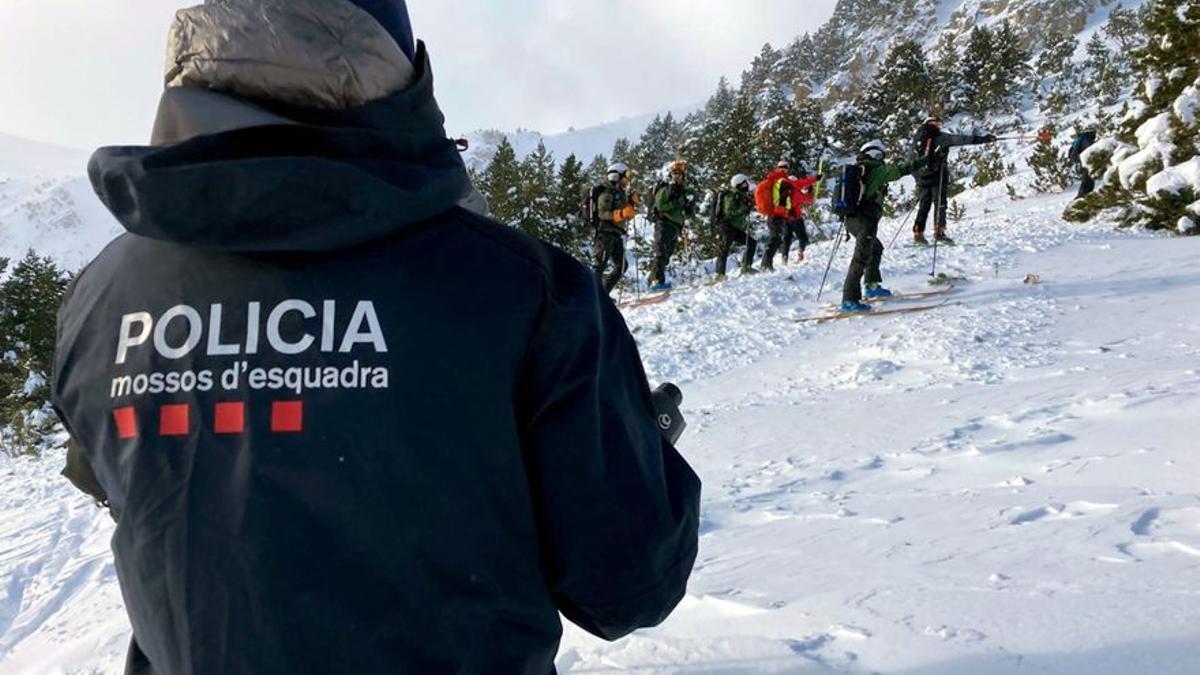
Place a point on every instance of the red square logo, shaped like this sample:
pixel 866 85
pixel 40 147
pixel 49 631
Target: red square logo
pixel 287 417
pixel 230 418
pixel 173 420
pixel 126 421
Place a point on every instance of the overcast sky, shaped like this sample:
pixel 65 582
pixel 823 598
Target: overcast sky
pixel 89 72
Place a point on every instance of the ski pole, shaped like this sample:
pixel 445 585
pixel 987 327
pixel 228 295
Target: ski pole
pixel 902 224
pixel 637 280
pixel 837 243
pixel 939 219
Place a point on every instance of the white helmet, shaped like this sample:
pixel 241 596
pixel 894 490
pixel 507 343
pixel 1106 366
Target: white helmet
pixel 874 149
pixel 783 164
pixel 618 171
pixel 739 180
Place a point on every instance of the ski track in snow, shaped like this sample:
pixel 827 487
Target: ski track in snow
pixel 1005 484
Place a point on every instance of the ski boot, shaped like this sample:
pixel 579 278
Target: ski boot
pixel 661 287
pixel 719 278
pixel 749 271
pixel 944 240
pixel 877 292
pixel 919 239
pixel 800 257
pixel 855 307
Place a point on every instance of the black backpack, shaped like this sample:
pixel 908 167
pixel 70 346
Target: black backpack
pixel 718 208
pixel 848 193
pixel 594 203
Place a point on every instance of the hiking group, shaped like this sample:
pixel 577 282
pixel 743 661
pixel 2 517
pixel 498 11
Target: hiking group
pixel 783 198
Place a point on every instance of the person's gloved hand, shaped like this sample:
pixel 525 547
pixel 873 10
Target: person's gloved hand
pixel 635 200
pixel 986 138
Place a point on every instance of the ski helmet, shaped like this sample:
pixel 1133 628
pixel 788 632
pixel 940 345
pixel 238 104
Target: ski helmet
pixel 618 171
pixel 739 180
pixel 934 120
pixel 783 164
pixel 874 149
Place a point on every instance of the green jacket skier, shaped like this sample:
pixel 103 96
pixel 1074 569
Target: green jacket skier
pixel 733 214
pixel 672 206
pixel 864 225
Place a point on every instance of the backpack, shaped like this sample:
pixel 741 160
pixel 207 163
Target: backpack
pixel 594 204
pixel 848 193
pixel 717 211
pixel 653 215
pixel 764 198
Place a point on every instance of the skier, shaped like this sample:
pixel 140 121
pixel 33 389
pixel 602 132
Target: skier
pixel 803 197
pixel 672 207
pixel 1084 140
pixel 864 224
pixel 933 182
pixel 613 205
pixel 735 207
pixel 779 213
pixel 346 425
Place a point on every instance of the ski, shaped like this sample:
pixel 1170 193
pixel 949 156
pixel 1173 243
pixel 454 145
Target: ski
pixel 900 297
pixel 646 300
pixel 837 316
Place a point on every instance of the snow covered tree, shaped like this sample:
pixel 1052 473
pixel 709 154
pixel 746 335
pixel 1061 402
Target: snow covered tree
pixel 29 301
pixel 1150 174
pixel 622 151
pixel 900 97
pixel 992 71
pixel 944 72
pixel 659 144
pixel 851 126
pixel 535 196
pixel 568 209
pixel 501 184
pixel 1050 164
pixel 1056 83
pixel 596 169
pixel 1103 78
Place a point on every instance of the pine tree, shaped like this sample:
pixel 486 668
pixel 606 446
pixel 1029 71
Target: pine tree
pixel 1055 74
pixel 657 146
pixel 944 72
pixel 1103 76
pixel 535 195
pixel 623 151
pixel 597 169
pixel 900 96
pixel 1049 163
pixel 501 184
pixel 737 140
pixel 851 127
pixel 29 301
pixel 569 208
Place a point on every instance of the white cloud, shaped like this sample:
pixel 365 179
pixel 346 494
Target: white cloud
pixel 86 73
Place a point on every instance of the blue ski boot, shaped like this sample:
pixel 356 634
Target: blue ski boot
pixel 877 292
pixel 661 288
pixel 854 307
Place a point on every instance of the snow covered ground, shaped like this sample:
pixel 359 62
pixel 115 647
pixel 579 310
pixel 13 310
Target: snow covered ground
pixel 1007 484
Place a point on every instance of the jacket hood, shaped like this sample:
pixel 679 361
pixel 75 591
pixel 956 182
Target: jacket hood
pixel 311 53
pixel 320 179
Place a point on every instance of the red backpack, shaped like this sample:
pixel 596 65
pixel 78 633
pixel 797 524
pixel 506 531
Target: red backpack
pixel 764 194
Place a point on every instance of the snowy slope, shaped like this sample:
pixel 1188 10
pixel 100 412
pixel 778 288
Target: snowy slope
pixel 1003 485
pixel 47 204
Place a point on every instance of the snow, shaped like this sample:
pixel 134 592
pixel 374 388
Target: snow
pixel 1186 225
pixel 1005 484
pixel 34 382
pixel 1188 104
pixel 1176 179
pixel 47 204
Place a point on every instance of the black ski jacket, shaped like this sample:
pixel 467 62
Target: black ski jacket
pixel 942 142
pixel 348 427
